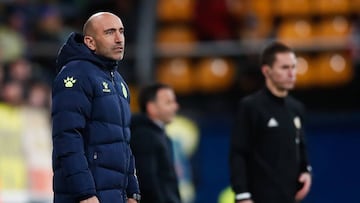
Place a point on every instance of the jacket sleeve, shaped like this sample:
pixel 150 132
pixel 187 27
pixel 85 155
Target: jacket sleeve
pixel 70 108
pixel 304 161
pixel 133 186
pixel 240 146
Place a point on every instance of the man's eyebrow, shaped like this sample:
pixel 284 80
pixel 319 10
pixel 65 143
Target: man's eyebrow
pixel 114 29
pixel 109 29
pixel 288 65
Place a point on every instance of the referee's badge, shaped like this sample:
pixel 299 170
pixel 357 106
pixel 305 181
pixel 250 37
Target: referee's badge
pixel 297 122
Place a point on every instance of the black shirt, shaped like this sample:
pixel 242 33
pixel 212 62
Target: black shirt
pixel 267 151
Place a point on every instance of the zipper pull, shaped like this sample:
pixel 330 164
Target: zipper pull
pixel 95 155
pixel 112 77
pixel 297 138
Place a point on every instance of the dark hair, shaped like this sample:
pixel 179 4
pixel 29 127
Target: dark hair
pixel 269 53
pixel 148 93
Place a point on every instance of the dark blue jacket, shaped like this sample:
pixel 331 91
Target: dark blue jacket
pixel 91 134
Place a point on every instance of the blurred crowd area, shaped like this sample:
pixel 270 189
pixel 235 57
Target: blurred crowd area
pixel 206 49
pixel 31 33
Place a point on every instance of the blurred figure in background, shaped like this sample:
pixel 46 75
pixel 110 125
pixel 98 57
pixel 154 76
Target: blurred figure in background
pixel 20 70
pixel 13 170
pixel 213 21
pixel 13 43
pixel 38 95
pixel 268 161
pixel 152 147
pixel 25 147
pixel 13 93
pixel 2 75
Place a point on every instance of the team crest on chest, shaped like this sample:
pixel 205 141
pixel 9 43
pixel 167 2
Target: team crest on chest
pixel 124 90
pixel 297 122
pixel 106 87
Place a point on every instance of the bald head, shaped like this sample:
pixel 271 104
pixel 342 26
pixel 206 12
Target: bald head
pixel 104 35
pixel 89 26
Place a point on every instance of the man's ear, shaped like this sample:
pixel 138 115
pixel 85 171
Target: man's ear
pixel 265 70
pixel 90 42
pixel 150 108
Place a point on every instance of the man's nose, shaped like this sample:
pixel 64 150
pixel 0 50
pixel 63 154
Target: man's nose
pixel 118 37
pixel 292 73
pixel 177 106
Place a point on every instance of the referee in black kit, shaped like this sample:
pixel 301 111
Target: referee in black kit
pixel 268 162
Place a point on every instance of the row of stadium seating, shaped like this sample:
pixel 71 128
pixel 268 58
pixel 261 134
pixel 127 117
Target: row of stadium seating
pixel 323 26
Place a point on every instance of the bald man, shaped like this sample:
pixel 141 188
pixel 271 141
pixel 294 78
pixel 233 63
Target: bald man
pixel 92 160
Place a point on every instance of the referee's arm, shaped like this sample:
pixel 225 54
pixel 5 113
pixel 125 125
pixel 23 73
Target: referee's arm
pixel 239 151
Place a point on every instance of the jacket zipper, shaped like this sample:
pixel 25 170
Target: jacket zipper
pixel 127 162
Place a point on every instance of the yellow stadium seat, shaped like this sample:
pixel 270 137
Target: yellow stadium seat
pixel 175 10
pixel 134 104
pixel 241 8
pixel 176 37
pixel 177 73
pixel 293 7
pixel 237 8
pixel 264 15
pixel 334 69
pixel 262 7
pixel 259 30
pixel 354 6
pixel 333 30
pixel 305 72
pixel 295 32
pixel 330 7
pixel 214 74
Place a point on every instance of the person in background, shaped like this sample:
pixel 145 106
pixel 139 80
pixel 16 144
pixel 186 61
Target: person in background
pixel 12 93
pixel 268 161
pixel 92 159
pixel 38 95
pixel 152 147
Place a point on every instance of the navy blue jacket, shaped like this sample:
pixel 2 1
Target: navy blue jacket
pixel 91 134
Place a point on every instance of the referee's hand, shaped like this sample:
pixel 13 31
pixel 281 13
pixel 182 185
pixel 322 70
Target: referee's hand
pixel 304 178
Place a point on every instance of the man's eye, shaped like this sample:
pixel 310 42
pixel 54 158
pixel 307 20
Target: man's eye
pixel 109 32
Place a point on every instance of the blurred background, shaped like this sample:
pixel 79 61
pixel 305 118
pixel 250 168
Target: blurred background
pixel 208 50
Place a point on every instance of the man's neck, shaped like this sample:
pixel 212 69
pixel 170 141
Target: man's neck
pixel 158 122
pixel 276 91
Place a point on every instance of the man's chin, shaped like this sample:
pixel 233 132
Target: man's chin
pixel 289 88
pixel 118 57
pixel 169 120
